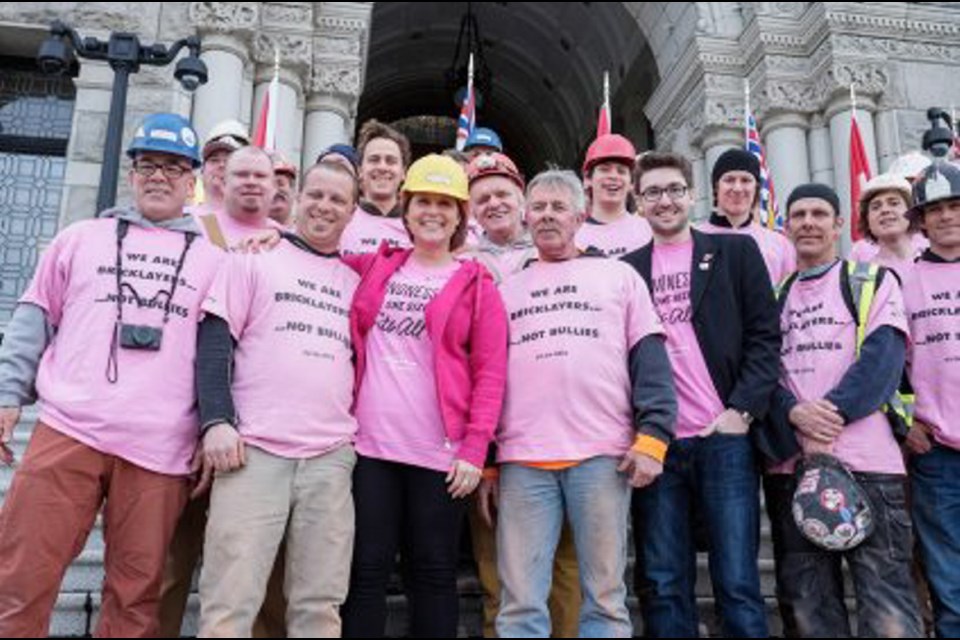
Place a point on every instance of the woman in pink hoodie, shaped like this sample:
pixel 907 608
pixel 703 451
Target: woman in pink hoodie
pixel 430 332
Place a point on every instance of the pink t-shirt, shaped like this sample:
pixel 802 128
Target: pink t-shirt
pixel 398 409
pixel 289 312
pixel 819 347
pixel 616 239
pixel 697 397
pixel 148 417
pixel 572 325
pixel 778 252
pixel 366 232
pixel 866 251
pixel 932 298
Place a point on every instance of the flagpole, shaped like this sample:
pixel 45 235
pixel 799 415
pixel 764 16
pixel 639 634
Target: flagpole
pixel 606 90
pixel 746 111
pixel 853 100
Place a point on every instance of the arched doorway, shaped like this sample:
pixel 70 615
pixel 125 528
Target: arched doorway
pixel 546 63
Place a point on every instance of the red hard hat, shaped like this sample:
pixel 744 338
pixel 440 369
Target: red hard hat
pixel 611 146
pixel 282 165
pixel 494 164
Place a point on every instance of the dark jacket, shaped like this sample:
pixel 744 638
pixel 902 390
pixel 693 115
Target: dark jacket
pixel 737 325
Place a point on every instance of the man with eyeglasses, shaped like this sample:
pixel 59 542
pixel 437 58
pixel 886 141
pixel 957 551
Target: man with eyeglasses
pixel 716 303
pixel 736 189
pixel 105 337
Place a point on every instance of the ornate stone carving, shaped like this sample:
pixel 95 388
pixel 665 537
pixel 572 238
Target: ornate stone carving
pixel 789 96
pixel 225 17
pixel 779 9
pixel 336 78
pixel 341 45
pixel 288 15
pixel 871 79
pixel 867 46
pixel 335 24
pixel 295 50
pixel 87 17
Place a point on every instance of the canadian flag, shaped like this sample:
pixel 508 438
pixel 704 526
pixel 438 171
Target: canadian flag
pixel 859 175
pixel 265 135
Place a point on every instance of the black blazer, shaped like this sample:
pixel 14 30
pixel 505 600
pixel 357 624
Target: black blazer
pixel 737 323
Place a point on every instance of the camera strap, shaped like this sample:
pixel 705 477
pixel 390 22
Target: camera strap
pixel 123 226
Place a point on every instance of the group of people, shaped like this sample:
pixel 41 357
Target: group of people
pixel 405 347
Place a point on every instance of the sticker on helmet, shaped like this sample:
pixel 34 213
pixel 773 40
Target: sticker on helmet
pixel 809 483
pixel 937 187
pixel 188 137
pixel 833 500
pixel 815 529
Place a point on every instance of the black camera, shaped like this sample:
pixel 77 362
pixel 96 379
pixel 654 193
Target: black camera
pixel 141 337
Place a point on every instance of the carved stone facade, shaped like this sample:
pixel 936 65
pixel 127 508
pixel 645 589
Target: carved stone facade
pixel 799 59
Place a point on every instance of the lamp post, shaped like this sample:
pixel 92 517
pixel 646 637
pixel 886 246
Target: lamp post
pixel 125 53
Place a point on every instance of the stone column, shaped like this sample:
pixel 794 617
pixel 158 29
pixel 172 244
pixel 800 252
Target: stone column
pixel 714 144
pixel 821 152
pixel 223 96
pixel 701 185
pixel 888 138
pixel 327 120
pixel 289 115
pixel 785 143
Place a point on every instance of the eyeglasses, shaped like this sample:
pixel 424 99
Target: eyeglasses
pixel 674 192
pixel 171 171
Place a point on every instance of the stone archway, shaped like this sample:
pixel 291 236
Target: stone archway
pixel 546 60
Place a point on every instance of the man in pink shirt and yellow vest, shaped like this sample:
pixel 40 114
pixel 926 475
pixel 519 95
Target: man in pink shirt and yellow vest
pixel 831 393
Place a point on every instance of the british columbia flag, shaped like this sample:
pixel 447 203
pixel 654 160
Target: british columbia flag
pixel 770 215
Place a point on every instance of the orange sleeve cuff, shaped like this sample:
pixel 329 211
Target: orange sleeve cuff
pixel 650 446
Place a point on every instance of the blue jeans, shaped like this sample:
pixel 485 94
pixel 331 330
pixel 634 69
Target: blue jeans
pixel 717 479
pixel 935 487
pixel 595 499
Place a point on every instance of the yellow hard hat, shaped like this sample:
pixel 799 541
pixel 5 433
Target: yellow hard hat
pixel 437 174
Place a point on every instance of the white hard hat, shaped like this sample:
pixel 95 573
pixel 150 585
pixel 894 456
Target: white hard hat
pixel 909 165
pixel 228 134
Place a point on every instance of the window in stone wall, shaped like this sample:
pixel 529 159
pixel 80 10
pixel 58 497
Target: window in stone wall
pixel 36 112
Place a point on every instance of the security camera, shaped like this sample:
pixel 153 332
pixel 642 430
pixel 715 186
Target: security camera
pixel 54 56
pixel 191 72
pixel 939 138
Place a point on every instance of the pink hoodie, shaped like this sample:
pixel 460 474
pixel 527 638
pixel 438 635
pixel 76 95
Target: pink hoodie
pixel 468 327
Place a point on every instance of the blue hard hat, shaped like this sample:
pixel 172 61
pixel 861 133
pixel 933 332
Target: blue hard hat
pixel 166 133
pixel 483 137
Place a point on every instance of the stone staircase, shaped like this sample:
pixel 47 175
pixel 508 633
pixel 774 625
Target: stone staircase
pixel 79 600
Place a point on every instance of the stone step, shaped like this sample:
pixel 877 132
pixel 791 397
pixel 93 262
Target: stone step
pixel 79 599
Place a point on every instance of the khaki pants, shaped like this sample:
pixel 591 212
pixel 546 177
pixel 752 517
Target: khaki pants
pixel 565 596
pixel 46 518
pixel 251 510
pixel 183 557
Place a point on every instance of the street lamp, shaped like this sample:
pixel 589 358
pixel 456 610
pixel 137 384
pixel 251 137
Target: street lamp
pixel 125 54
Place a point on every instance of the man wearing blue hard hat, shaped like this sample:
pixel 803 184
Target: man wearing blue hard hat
pixel 482 141
pixel 105 337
